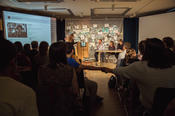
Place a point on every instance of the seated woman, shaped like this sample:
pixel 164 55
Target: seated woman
pixel 152 72
pixel 58 87
pixel 111 46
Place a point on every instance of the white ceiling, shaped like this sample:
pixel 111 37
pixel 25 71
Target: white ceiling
pixel 84 7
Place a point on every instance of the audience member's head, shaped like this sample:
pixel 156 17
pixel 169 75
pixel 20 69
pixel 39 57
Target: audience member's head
pixel 57 54
pixel 168 42
pixel 132 53
pixel 43 48
pixel 27 47
pixel 19 47
pixel 155 54
pixel 34 45
pixel 69 49
pixel 8 54
pixel 142 47
pixel 127 45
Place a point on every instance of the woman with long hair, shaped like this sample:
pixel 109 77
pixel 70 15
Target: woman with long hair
pixel 58 81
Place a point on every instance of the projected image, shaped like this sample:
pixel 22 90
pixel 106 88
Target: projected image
pixel 27 28
pixel 17 30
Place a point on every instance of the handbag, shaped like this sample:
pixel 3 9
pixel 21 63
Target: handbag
pixel 112 82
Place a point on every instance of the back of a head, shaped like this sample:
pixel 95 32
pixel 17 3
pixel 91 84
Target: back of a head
pixel 131 51
pixel 168 41
pixel 155 54
pixel 69 47
pixel 34 44
pixel 127 45
pixel 8 52
pixel 27 47
pixel 43 48
pixel 142 47
pixel 57 54
pixel 19 47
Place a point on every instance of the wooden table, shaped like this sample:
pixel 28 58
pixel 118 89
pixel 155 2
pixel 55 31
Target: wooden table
pixel 106 51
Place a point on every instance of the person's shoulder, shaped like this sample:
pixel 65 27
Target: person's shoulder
pixel 138 63
pixel 20 87
pixel 71 60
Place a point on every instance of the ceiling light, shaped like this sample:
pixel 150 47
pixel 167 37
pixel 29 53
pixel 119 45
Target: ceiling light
pixel 28 2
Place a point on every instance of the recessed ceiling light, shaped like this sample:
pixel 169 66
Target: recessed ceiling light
pixel 28 2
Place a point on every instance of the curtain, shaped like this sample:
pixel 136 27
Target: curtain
pixel 130 29
pixel 60 29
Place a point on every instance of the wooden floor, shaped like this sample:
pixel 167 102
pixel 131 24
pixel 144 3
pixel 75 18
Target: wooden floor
pixel 111 105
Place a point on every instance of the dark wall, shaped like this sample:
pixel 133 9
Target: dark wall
pixel 131 28
pixel 60 29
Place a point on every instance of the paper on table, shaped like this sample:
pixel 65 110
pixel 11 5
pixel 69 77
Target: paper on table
pixel 94 25
pixel 106 25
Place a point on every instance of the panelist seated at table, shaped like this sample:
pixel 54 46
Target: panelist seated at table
pixel 111 46
pixel 120 45
pixel 100 46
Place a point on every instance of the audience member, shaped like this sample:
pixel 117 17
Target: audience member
pixel 155 71
pixel 90 86
pixel 100 46
pixel 19 47
pixel 120 45
pixel 169 44
pixel 16 99
pixel 141 48
pixel 27 50
pixel 34 51
pixel 59 82
pixel 23 61
pixel 42 57
pixel 24 65
pixel 131 56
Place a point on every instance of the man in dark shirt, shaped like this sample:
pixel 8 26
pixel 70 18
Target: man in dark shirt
pixel 120 45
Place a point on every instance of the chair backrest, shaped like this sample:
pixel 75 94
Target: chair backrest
pixel 162 97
